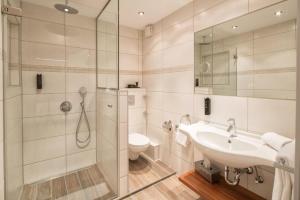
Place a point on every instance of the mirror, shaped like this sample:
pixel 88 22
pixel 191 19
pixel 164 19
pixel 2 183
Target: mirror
pixel 250 56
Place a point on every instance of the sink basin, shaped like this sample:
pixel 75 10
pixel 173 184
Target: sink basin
pixel 243 151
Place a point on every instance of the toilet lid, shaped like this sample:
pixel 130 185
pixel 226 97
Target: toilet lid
pixel 138 139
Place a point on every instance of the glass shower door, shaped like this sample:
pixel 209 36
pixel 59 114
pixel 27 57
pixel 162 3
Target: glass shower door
pixel 107 92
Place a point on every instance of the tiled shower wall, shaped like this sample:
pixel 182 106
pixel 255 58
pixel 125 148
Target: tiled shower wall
pixel 130 56
pixel 61 48
pixel 168 66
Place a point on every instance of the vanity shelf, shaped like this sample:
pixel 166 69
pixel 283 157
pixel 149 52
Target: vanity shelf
pixel 218 191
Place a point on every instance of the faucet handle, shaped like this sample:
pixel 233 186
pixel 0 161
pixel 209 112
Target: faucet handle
pixel 231 121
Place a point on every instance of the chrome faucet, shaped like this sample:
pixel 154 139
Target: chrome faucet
pixel 231 129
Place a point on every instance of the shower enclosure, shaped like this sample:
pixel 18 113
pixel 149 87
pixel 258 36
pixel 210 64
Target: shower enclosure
pixel 53 59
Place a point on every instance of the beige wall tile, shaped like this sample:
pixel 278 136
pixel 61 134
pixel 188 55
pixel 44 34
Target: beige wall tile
pixel 71 142
pixel 129 62
pixel 275 81
pixel 123 163
pixel 129 45
pixel 224 108
pixel 78 37
pixel 45 169
pixel 153 43
pixel 129 32
pixel 123 136
pixel 42 31
pixel 42 13
pixel 283 41
pixel 43 54
pixel 41 105
pixel 43 149
pixel 53 82
pixel 265 115
pixel 273 60
pixel 179 55
pixel 179 82
pixel 81 21
pixel 276 29
pixel 178 16
pixel 43 127
pixel 153 61
pixel 81 58
pixel 179 33
pixel 80 160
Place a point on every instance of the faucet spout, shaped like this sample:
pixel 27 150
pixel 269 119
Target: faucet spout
pixel 231 128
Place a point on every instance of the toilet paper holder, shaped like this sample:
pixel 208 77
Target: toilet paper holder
pixel 168 126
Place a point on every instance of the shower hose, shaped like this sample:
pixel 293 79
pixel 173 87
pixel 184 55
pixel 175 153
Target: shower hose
pixel 85 142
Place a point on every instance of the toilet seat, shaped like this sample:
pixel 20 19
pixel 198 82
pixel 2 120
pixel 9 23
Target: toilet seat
pixel 138 143
pixel 137 139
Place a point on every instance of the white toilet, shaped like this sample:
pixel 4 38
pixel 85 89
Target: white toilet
pixel 138 143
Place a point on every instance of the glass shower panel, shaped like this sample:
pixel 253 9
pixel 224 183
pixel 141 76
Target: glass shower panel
pixel 13 141
pixel 107 46
pixel 107 92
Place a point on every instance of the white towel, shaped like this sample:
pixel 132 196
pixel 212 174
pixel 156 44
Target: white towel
pixel 283 186
pixel 287 154
pixel 275 140
pixel 284 181
pixel 181 138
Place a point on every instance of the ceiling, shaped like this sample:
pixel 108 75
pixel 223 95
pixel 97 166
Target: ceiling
pixel 253 21
pixel 154 9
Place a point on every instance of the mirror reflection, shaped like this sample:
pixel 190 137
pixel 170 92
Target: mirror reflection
pixel 250 56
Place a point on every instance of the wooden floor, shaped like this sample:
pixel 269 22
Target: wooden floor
pixel 85 184
pixel 220 191
pixel 168 189
pixel 143 172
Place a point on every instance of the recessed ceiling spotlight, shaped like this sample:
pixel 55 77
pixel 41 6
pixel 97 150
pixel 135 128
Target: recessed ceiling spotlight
pixel 66 10
pixel 278 13
pixel 234 27
pixel 141 13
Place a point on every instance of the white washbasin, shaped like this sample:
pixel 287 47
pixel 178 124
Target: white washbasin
pixel 244 151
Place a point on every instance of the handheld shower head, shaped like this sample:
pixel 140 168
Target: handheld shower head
pixel 83 92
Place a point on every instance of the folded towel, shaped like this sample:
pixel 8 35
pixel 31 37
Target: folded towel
pixel 284 181
pixel 283 186
pixel 181 138
pixel 275 140
pixel 286 155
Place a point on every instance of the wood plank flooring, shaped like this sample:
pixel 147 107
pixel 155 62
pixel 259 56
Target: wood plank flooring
pixel 219 191
pixel 85 184
pixel 143 172
pixel 168 189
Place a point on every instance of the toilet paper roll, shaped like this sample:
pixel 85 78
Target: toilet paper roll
pixel 181 138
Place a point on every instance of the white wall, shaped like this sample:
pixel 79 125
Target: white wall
pixel 1 119
pixel 168 68
pixel 297 171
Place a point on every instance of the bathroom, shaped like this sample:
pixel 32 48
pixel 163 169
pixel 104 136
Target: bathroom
pixel 137 99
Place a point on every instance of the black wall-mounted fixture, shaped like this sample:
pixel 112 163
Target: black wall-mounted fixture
pixel 39 81
pixel 207 106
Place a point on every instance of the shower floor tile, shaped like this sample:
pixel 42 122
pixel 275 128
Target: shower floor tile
pixel 84 184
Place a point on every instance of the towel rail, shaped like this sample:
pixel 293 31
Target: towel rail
pixel 281 165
